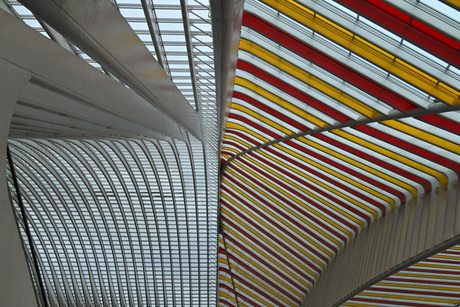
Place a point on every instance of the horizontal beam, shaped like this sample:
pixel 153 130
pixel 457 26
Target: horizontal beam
pixel 73 93
pixel 99 29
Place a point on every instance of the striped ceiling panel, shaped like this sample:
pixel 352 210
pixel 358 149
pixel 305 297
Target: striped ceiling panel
pixel 342 112
pixel 432 282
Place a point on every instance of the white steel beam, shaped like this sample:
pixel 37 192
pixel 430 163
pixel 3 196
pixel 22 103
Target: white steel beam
pixel 98 28
pixel 16 287
pixel 72 94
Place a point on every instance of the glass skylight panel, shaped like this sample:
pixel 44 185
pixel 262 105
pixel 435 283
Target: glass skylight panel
pixel 442 8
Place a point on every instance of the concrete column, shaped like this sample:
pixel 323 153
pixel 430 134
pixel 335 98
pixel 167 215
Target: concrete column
pixel 16 287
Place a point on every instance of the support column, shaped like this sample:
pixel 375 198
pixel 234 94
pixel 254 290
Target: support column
pixel 16 288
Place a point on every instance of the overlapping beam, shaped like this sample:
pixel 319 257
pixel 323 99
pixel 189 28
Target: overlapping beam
pixel 100 30
pixel 340 150
pixel 73 98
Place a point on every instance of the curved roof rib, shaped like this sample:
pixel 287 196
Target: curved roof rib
pixel 118 222
pixel 340 151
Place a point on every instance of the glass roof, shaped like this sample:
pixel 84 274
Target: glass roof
pixel 118 222
pixel 343 117
pixel 130 222
pixel 339 164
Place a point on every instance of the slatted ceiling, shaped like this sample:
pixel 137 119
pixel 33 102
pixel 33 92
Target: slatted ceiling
pixel 320 60
pixel 314 64
pixel 366 50
pixel 434 42
pixel 335 60
pixel 433 281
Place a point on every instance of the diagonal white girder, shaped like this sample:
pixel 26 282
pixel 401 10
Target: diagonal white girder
pixel 73 94
pixel 98 28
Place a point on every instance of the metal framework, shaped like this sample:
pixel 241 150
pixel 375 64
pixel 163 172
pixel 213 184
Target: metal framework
pixel 340 153
pixel 119 182
pixel 118 222
pixel 337 124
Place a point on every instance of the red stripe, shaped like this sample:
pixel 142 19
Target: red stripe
pixel 251 253
pixel 346 169
pixel 333 66
pixel 413 149
pixel 242 135
pixel 441 122
pixel 239 295
pixel 301 211
pixel 272 223
pixel 445 261
pixel 262 295
pixel 451 252
pixel 417 24
pixel 314 267
pixel 389 303
pixel 267 109
pixel 224 152
pixel 419 292
pixel 433 271
pixel 263 75
pixel 311 186
pixel 253 125
pixel 334 215
pixel 232 143
pixel 331 181
pixel 409 29
pixel 225 302
pixel 385 165
pixel 426 281
pixel 265 279
pixel 269 265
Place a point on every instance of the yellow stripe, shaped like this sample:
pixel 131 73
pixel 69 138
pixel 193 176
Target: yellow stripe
pixel 291 212
pixel 299 187
pixel 420 134
pixel 417 286
pixel 452 267
pixel 276 217
pixel 271 244
pixel 242 272
pixel 365 49
pixel 283 103
pixel 307 78
pixel 336 175
pixel 313 195
pixel 243 288
pixel 446 257
pixel 302 204
pixel 262 253
pixel 238 140
pixel 412 298
pixel 279 235
pixel 227 295
pixel 236 151
pixel 271 275
pixel 427 276
pixel 455 3
pixel 364 167
pixel 392 155
pixel 262 118
pixel 236 126
pixel 223 260
pixel 319 263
